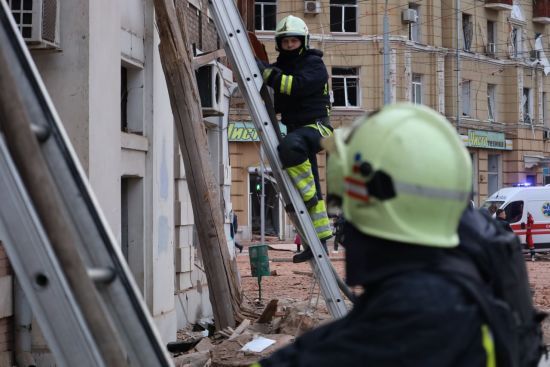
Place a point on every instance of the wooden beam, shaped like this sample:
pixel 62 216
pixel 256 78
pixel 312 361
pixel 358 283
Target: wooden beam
pixel 176 60
pixel 205 58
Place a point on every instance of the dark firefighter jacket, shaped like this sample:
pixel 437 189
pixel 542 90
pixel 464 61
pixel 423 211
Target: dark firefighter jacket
pixel 300 83
pixel 406 317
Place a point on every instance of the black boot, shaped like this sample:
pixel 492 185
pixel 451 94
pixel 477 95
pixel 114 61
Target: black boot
pixel 240 247
pixel 307 254
pixel 302 256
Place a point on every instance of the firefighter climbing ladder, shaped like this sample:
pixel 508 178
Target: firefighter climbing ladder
pixel 81 292
pixel 235 40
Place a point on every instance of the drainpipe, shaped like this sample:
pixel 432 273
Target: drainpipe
pixel 23 327
pixel 386 43
pixel 458 91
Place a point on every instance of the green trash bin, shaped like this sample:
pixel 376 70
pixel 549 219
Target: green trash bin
pixel 259 263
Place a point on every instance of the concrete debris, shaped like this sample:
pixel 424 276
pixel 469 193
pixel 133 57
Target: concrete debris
pixel 239 330
pixel 229 353
pixel 296 322
pixel 269 311
pixel 198 359
pixel 204 345
pixel 225 347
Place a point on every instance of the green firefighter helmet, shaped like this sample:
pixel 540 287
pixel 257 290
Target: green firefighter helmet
pixel 402 175
pixel 292 26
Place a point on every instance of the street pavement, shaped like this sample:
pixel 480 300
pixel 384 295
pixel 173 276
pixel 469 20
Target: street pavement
pixel 544 362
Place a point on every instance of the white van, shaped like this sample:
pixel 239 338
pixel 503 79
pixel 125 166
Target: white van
pixel 516 202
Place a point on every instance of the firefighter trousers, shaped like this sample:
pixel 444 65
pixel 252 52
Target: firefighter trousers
pixel 298 153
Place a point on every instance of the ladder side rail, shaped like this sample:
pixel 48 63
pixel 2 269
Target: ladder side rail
pixel 40 275
pixel 236 43
pixel 96 244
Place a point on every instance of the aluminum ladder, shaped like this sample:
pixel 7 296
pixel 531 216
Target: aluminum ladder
pixel 83 295
pixel 235 41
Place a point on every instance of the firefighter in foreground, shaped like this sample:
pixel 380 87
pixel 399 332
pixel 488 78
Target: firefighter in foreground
pixel 404 177
pixel 299 79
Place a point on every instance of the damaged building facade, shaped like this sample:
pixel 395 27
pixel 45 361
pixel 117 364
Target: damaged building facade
pixel 100 63
pixel 493 87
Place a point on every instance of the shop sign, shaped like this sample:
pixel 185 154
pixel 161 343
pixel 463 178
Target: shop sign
pixel 487 140
pixel 243 131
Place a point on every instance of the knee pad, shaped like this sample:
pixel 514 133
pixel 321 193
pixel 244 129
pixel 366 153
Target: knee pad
pixel 292 150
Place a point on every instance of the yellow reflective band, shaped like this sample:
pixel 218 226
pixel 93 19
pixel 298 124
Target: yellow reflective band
pixel 255 365
pixel 283 83
pixel 302 175
pixel 323 130
pixel 325 92
pixel 319 217
pixel 289 85
pixel 489 346
pixel 266 74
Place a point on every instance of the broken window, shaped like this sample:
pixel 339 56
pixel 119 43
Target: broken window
pixel 265 15
pixel 491 105
pixel 493 173
pixel 343 16
pixel 466 109
pixel 416 95
pixel 491 39
pixel 544 112
pixel 516 42
pixel 526 106
pixel 345 87
pixel 414 27
pixel 467 31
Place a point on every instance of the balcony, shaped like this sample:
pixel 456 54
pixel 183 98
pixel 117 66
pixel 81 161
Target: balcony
pixel 499 4
pixel 541 11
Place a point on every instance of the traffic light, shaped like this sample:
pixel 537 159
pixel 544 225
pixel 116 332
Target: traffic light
pixel 258 184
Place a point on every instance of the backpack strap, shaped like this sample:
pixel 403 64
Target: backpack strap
pixel 464 273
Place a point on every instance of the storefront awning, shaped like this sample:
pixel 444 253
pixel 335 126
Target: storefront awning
pixel 531 161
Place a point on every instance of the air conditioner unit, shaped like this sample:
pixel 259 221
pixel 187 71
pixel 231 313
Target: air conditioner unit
pixel 312 7
pixel 546 134
pixel 38 22
pixel 534 55
pixel 490 49
pixel 210 85
pixel 409 16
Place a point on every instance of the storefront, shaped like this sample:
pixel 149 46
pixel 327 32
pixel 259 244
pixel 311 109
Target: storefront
pixel 489 153
pixel 246 190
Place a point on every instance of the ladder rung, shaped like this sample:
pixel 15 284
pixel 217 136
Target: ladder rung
pixel 41 131
pixel 102 275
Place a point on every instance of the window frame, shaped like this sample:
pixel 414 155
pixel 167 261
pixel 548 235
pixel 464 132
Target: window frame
pixel 491 102
pixel 527 106
pixel 414 28
pixel 345 84
pixel 492 25
pixel 467 46
pixel 262 4
pixel 414 85
pixel 516 40
pixel 466 112
pixel 494 174
pixel 343 17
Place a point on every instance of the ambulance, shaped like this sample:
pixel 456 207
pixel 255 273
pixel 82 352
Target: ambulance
pixel 517 202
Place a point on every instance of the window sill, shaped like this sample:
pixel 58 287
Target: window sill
pixel 345 33
pixel 340 110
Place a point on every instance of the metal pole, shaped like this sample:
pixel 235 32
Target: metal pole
pixel 458 91
pixel 262 198
pixel 386 36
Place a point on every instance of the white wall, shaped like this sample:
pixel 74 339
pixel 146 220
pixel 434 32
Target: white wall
pixel 84 80
pixel 104 108
pixel 163 208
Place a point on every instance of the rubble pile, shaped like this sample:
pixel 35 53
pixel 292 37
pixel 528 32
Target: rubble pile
pixel 251 341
